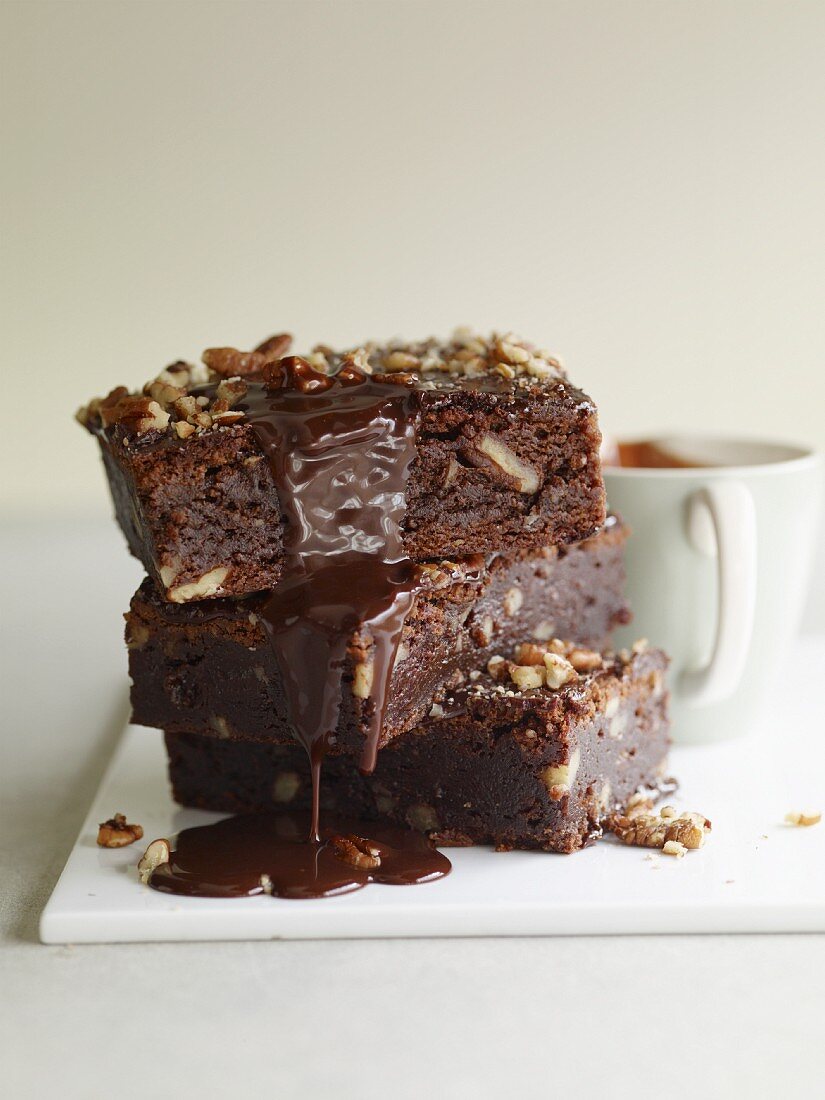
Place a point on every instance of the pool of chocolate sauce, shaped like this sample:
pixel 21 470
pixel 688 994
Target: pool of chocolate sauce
pixel 269 854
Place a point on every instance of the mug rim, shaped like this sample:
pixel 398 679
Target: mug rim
pixel 804 457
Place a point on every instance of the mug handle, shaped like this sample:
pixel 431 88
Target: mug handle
pixel 723 513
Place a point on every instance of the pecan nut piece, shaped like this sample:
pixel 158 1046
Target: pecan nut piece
pixel 357 851
pixel 158 853
pixel 231 363
pixel 275 347
pixel 117 832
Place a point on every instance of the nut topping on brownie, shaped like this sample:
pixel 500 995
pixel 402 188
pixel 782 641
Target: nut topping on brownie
pixel 499 448
pixel 167 402
pixel 550 664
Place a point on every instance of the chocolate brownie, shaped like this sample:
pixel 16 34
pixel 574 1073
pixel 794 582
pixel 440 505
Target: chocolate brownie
pixel 496 447
pixel 499 762
pixel 209 666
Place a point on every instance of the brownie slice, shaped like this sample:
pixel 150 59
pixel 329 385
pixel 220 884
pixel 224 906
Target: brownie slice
pixel 505 452
pixel 517 767
pixel 208 667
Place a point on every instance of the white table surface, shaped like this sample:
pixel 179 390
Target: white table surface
pixel 672 1016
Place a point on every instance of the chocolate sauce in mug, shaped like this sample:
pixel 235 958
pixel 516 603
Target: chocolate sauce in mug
pixel 339 448
pixel 647 455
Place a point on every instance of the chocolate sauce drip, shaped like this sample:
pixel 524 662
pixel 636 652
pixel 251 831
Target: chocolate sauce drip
pixel 339 448
pixel 269 854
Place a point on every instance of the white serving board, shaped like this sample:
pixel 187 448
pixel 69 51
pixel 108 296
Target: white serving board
pixel 755 874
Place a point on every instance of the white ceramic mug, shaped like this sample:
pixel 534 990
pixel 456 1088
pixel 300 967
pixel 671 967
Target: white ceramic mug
pixel 718 564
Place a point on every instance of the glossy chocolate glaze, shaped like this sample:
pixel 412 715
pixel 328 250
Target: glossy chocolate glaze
pixel 339 448
pixel 268 853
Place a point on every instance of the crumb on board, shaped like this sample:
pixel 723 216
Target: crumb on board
pixel 803 820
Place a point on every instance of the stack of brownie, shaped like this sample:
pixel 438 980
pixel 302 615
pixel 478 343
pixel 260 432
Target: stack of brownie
pixel 467 687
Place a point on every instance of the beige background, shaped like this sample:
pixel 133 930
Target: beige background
pixel 637 185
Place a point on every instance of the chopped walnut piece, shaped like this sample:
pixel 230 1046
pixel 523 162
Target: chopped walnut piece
pixel 139 414
pixel 117 832
pixel 230 416
pixel 164 393
pixel 207 585
pixel 400 361
pixel 513 599
pixel 529 654
pixel 231 390
pixel 177 374
pixel 525 477
pixel 804 820
pixel 362 680
pixel 497 668
pixel 526 677
pixel 358 851
pixel 184 429
pixel 674 848
pixel 585 660
pixel 559 778
pixel 186 406
pixel 482 630
pixel 158 853
pixel 558 670
pixel 510 353
pixel 649 830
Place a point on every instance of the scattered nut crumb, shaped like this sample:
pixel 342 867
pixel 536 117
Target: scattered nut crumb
pixel 803 819
pixel 650 830
pixel 117 832
pixel 155 855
